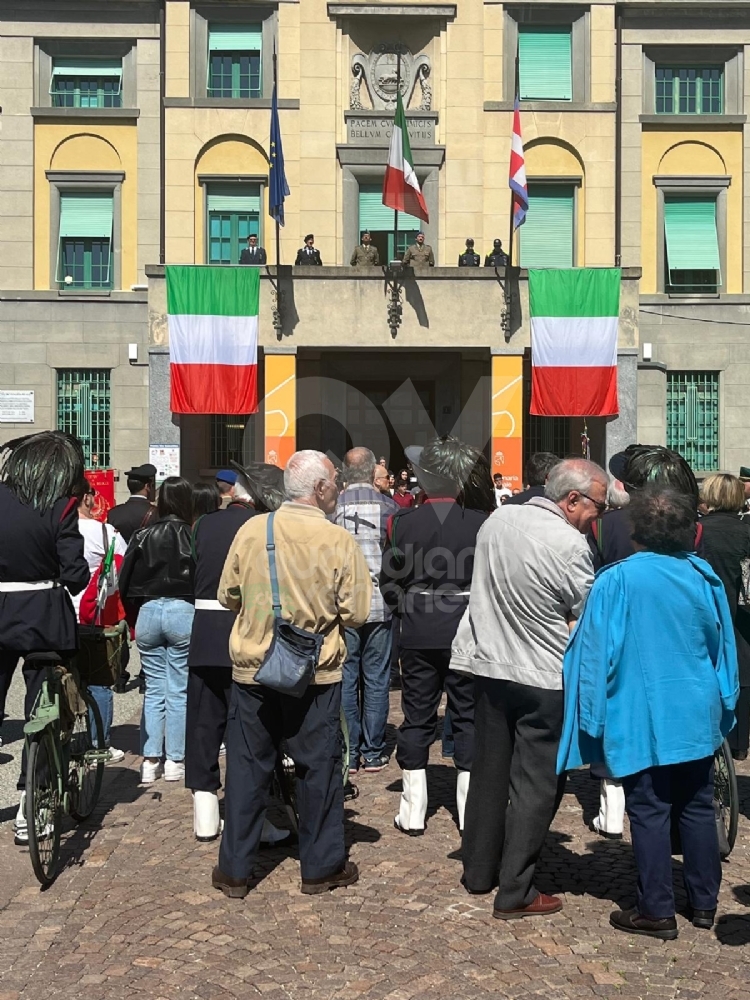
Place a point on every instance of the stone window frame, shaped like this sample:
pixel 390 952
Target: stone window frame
pixel 206 180
pixel 200 17
pixel 104 181
pixel 728 56
pixel 47 50
pixel 354 175
pixel 579 19
pixel 706 186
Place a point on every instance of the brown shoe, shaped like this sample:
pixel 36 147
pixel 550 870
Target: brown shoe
pixel 632 922
pixel 347 876
pixel 542 906
pixel 235 888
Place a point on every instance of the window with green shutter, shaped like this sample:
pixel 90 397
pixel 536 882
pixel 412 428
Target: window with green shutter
pixel 692 259
pixel 86 83
pixel 547 235
pixel 693 418
pixel 689 90
pixel 545 64
pixel 234 60
pixel 233 212
pixel 374 216
pixel 83 410
pixel 85 251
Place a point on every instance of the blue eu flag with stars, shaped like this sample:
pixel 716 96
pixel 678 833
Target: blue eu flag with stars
pixel 278 189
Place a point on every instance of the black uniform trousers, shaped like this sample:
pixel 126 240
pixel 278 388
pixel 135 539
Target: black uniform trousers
pixel 34 674
pixel 514 791
pixel 205 725
pixel 259 719
pixel 424 676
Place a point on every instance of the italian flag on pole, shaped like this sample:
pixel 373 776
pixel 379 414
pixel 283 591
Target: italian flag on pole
pixel 574 317
pixel 401 190
pixel 212 314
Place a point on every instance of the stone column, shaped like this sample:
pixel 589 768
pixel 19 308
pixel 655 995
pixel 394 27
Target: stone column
pixel 280 404
pixel 164 426
pixel 623 429
pixel 506 410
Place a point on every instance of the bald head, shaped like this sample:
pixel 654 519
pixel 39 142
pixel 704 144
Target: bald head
pixel 359 466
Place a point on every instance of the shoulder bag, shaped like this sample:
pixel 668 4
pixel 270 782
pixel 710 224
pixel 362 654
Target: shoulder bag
pixel 290 664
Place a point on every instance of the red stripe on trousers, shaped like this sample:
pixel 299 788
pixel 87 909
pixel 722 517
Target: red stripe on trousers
pixel 573 392
pixel 214 388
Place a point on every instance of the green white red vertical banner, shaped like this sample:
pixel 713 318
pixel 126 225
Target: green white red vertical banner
pixel 212 315
pixel 401 190
pixel 574 319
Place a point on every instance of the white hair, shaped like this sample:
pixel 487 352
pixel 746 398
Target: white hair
pixel 617 495
pixel 240 489
pixel 303 472
pixel 573 474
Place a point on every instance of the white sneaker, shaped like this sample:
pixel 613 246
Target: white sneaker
pixel 174 770
pixel 150 772
pixel 115 755
pixel 20 829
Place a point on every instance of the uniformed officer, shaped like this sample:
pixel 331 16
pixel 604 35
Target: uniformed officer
pixel 253 254
pixel 420 254
pixel 128 517
pixel 366 254
pixel 209 666
pixel 469 258
pixel 41 563
pixel 308 255
pixel 498 257
pixel 425 579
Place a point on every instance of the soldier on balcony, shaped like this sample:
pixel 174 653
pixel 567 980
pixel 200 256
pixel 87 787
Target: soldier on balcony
pixel 366 254
pixel 469 258
pixel 419 255
pixel 498 257
pixel 308 255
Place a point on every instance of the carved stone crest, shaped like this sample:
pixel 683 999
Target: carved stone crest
pixel 379 71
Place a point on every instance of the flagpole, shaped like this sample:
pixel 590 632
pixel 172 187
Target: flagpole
pixel 278 237
pixel 395 211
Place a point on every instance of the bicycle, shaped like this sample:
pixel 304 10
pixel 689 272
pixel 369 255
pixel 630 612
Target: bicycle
pixel 726 798
pixel 65 758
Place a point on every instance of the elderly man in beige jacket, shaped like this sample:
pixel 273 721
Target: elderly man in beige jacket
pixel 324 587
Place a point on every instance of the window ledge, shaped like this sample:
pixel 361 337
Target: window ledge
pixel 688 121
pixel 84 293
pixel 608 106
pixel 285 103
pixel 86 114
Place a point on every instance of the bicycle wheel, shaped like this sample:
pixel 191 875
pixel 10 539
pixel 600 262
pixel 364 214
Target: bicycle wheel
pixel 44 812
pixel 725 793
pixel 86 761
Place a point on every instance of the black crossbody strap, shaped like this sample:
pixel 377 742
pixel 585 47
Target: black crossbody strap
pixel 271 550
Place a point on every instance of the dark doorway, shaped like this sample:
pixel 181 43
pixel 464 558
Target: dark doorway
pixel 408 427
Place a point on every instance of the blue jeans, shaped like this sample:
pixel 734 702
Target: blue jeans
pixel 365 688
pixel 105 700
pixel 162 634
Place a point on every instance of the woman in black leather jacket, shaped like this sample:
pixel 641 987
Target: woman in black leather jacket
pixel 157 577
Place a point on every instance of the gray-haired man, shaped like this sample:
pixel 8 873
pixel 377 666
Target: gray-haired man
pixel 532 572
pixel 365 685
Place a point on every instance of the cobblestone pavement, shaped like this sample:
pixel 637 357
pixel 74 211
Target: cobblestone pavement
pixel 133 913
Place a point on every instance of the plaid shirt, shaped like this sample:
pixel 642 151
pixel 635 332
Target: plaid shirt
pixel 364 512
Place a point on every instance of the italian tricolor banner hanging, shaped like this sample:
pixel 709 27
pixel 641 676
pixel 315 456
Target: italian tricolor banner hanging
pixel 401 190
pixel 574 317
pixel 212 315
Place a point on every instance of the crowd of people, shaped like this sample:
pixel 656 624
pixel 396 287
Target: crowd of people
pixel 594 618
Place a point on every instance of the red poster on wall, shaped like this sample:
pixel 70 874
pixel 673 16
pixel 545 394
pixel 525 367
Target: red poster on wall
pixel 103 481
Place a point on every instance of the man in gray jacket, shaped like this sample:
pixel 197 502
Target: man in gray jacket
pixel 532 572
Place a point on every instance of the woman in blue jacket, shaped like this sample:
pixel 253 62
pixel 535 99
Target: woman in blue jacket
pixel 651 684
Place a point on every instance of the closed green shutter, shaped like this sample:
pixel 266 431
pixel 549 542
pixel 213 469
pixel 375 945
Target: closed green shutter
pixel 86 215
pixel 545 64
pixel 547 235
pixel 691 236
pixel 235 38
pixel 233 198
pixel 87 67
pixel 374 215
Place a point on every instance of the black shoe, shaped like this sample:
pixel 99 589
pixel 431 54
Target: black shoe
pixel 739 754
pixel 348 875
pixel 701 918
pixel 632 922
pixel 604 833
pixel 235 888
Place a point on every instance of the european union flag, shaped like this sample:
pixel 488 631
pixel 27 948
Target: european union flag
pixel 278 188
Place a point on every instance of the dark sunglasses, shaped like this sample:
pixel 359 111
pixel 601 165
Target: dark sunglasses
pixel 600 506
